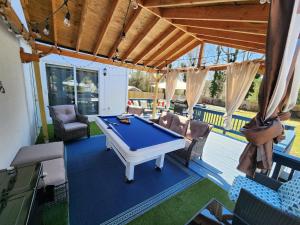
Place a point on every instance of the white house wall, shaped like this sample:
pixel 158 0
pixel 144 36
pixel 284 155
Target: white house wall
pixel 17 112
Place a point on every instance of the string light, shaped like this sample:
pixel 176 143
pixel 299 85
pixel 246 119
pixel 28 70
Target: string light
pixel 67 19
pixel 10 29
pixel 46 30
pixel 134 4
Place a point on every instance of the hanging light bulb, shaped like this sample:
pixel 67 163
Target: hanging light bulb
pixel 67 19
pixel 134 4
pixel 10 29
pixel 117 53
pixel 46 29
pixel 123 35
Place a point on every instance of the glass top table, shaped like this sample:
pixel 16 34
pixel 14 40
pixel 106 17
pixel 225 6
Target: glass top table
pixel 213 213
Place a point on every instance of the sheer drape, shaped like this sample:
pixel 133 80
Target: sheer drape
pixel 239 77
pixel 171 82
pixel 195 81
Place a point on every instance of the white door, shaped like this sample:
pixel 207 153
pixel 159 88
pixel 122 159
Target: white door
pixel 113 92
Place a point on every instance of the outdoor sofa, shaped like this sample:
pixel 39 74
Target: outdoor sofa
pixel 195 133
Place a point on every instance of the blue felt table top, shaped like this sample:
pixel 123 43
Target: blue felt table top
pixel 139 133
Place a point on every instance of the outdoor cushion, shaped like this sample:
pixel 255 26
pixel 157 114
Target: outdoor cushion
pixel 262 192
pixel 66 113
pixel 55 172
pixel 165 119
pixel 38 153
pixel 74 126
pixel 289 194
pixel 179 124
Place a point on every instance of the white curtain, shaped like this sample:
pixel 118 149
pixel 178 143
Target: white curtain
pixel 291 53
pixel 171 82
pixel 239 77
pixel 195 81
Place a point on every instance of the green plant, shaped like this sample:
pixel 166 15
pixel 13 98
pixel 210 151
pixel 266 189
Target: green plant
pixel 252 89
pixel 217 84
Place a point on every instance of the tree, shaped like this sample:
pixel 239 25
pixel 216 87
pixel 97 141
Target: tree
pixel 251 90
pixel 140 80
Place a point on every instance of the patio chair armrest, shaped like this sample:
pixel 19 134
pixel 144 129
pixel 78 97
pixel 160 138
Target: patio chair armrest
pixel 266 181
pixel 196 147
pixel 58 124
pixel 252 210
pixel 285 159
pixel 82 118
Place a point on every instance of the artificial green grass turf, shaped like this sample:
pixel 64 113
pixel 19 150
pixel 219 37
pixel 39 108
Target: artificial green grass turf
pixel 182 207
pixel 56 214
pixel 94 130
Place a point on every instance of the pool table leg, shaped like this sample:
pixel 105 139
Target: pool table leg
pixel 129 172
pixel 160 162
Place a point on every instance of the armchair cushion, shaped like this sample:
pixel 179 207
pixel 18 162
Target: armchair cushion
pixel 289 194
pixel 65 113
pixel 179 125
pixel 74 126
pixel 265 194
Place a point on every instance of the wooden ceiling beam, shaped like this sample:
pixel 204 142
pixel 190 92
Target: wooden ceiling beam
pixel 246 45
pixel 104 27
pixel 180 3
pixel 54 21
pixel 172 52
pixel 24 4
pixel 45 49
pixel 154 43
pixel 126 29
pixel 157 12
pixel 253 38
pixel 184 51
pixel 242 27
pixel 82 22
pixel 256 13
pixel 164 47
pixel 140 38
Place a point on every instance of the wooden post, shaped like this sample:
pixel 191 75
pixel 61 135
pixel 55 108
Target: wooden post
pixel 155 96
pixel 38 81
pixel 201 51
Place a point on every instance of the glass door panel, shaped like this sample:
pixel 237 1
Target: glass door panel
pixel 60 85
pixel 87 91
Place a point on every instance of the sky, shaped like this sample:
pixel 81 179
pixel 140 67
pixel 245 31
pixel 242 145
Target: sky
pixel 209 56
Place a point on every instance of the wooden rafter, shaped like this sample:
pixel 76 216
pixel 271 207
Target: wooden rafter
pixel 45 49
pixel 184 51
pixel 253 38
pixel 242 27
pixel 158 14
pixel 169 54
pixel 126 29
pixel 140 38
pixel 240 13
pixel 200 56
pixel 164 47
pixel 154 43
pixel 104 27
pixel 177 3
pixel 24 4
pixel 237 45
pixel 54 21
pixel 82 22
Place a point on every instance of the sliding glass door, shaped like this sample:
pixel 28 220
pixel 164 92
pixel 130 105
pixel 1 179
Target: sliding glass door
pixel 87 91
pixel 61 85
pixel 68 85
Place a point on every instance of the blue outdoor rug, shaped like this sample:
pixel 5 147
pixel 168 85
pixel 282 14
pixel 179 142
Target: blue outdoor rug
pixel 98 193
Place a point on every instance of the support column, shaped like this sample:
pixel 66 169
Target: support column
pixel 39 87
pixel 200 55
pixel 155 97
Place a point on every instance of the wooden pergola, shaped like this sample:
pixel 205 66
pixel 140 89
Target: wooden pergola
pixel 156 33
pixel 147 37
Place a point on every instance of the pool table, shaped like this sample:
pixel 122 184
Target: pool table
pixel 138 142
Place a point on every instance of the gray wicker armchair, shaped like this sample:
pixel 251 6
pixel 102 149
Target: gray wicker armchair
pixel 68 123
pixel 196 137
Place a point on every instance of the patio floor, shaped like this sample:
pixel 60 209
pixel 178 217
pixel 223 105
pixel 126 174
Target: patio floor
pixel 220 159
